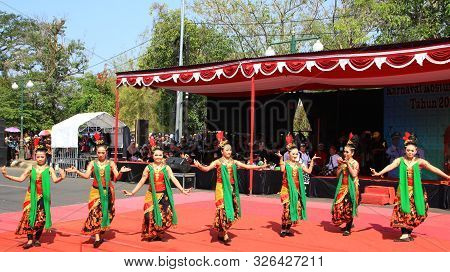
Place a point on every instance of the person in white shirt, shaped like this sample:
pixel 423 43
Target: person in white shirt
pixel 304 157
pixel 332 164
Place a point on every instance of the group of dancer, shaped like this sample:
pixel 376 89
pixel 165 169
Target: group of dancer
pixel 410 209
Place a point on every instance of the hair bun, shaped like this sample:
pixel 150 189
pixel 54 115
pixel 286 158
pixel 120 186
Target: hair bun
pixel 41 147
pixel 352 140
pixel 410 138
pixel 221 138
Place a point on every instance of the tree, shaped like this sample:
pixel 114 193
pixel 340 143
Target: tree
pixel 351 24
pixel 15 49
pixel 57 64
pixel 357 23
pixel 139 104
pixel 253 25
pixel 402 21
pixel 37 51
pixel 202 44
pixel 93 94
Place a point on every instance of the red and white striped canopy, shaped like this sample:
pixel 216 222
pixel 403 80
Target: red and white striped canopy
pixel 376 66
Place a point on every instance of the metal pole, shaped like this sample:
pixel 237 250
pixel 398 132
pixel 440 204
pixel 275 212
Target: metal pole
pixel 252 129
pixel 116 126
pixel 179 111
pixel 21 153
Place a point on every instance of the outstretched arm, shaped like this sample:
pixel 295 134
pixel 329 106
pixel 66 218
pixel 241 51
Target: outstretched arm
pixel 311 165
pixel 85 175
pixel 62 175
pixel 282 163
pixel 21 178
pixel 425 164
pixel 176 182
pixel 388 168
pixel 118 174
pixel 139 185
pixel 205 168
pixel 250 167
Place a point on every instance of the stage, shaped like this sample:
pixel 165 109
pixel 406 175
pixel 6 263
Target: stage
pixel 256 231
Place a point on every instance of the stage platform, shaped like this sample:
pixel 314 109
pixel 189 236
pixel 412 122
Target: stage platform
pixel 256 231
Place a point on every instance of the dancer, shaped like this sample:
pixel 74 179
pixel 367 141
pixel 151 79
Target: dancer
pixel 346 199
pixel 159 208
pixel 292 194
pixel 228 207
pixel 411 205
pixel 36 207
pixel 101 196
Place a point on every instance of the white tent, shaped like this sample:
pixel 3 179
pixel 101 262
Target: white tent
pixel 65 137
pixel 65 134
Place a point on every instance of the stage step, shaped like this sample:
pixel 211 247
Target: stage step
pixel 376 199
pixel 382 190
pixel 378 189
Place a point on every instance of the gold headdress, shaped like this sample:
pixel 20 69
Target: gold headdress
pixel 222 141
pixel 290 141
pixel 410 138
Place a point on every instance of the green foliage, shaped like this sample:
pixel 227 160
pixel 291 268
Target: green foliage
pixel 359 23
pixel 202 44
pixel 58 64
pixel 15 39
pixel 92 95
pixel 140 104
pixel 253 25
pixel 402 21
pixel 37 51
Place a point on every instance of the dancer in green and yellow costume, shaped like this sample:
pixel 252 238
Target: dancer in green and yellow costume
pixel 411 205
pixel 228 206
pixel 159 207
pixel 36 207
pixel 292 194
pixel 102 194
pixel 346 200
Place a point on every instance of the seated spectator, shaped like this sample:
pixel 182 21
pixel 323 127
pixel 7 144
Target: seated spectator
pixel 132 152
pixel 144 153
pixel 304 156
pixel 332 165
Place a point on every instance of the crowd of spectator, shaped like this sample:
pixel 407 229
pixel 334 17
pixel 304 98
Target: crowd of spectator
pixel 372 150
pixel 31 140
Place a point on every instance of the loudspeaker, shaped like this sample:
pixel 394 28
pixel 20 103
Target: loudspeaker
pixel 141 132
pixel 3 155
pixel 178 164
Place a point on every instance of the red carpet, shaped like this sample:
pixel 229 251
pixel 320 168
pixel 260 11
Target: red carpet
pixel 256 231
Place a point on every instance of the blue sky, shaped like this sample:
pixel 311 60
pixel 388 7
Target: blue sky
pixel 107 27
